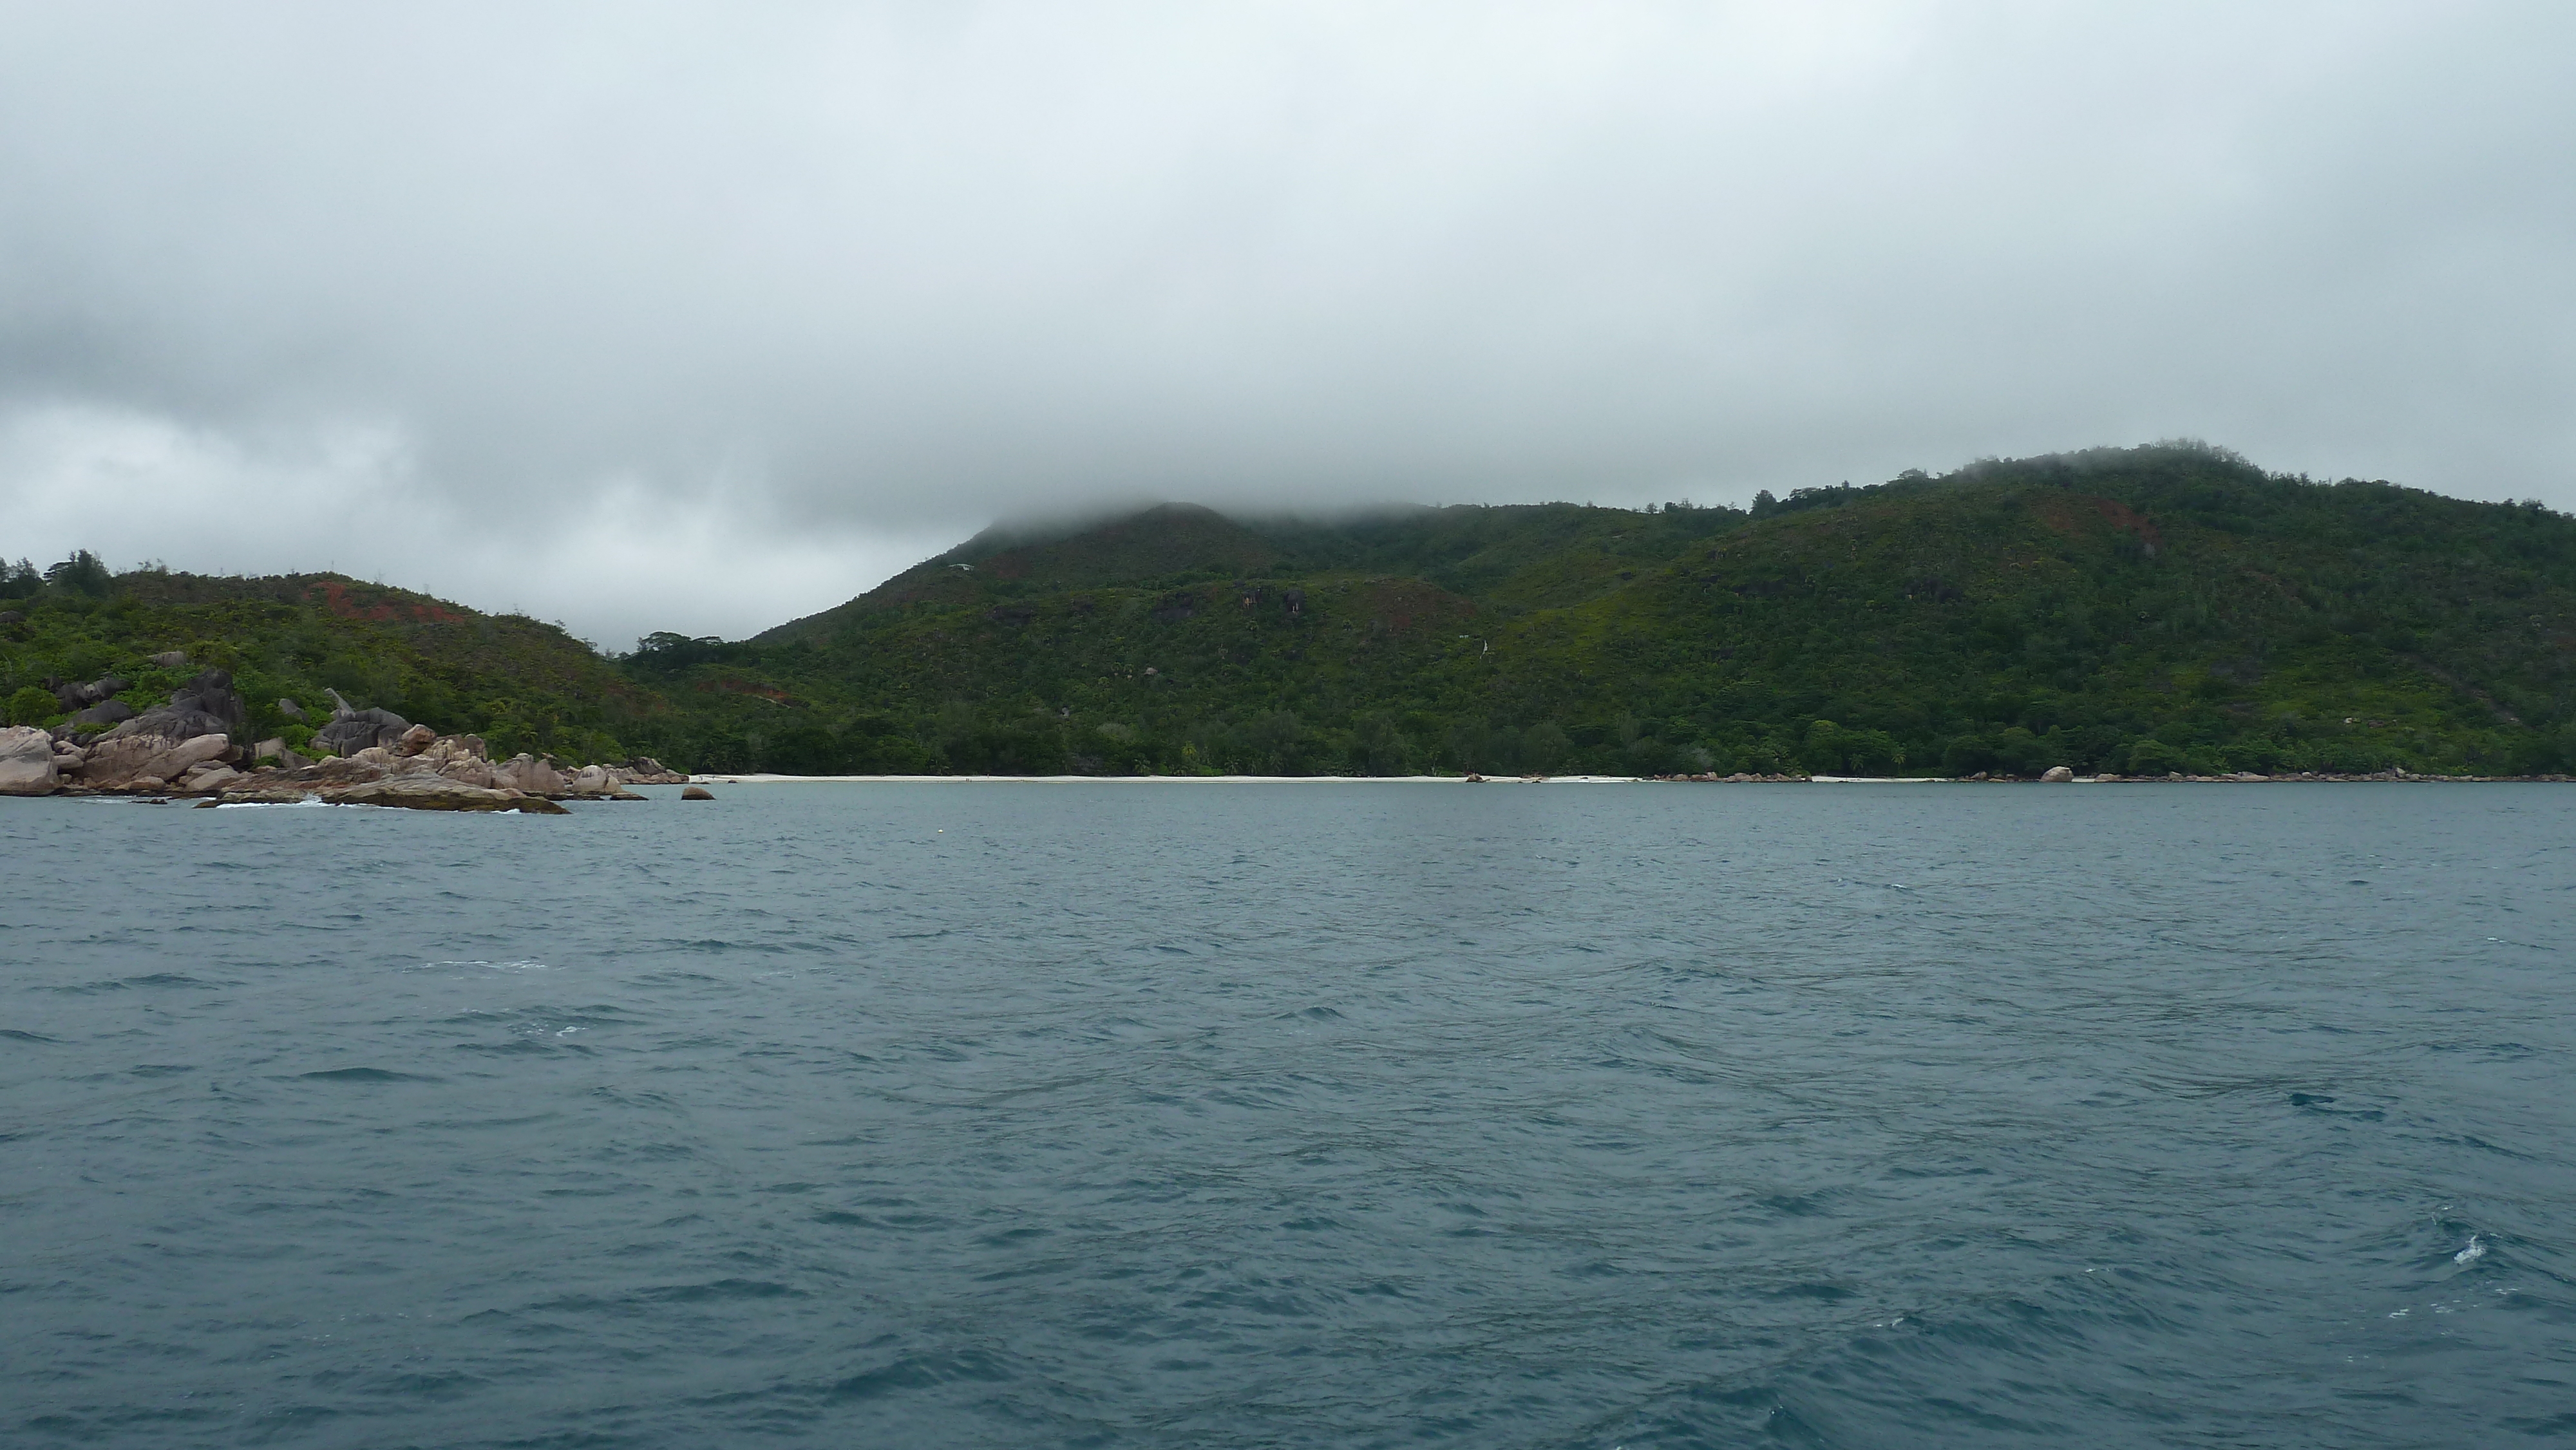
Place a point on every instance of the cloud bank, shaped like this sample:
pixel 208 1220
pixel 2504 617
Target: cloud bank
pixel 653 317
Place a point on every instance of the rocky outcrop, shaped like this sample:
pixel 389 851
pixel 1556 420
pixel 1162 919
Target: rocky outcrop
pixel 113 764
pixel 645 770
pixel 186 748
pixel 459 759
pixel 2058 774
pixel 129 762
pixel 208 776
pixel 27 762
pixel 212 693
pixel 601 782
pixel 697 793
pixel 206 705
pixel 352 729
pixel 80 697
pixel 527 773
pixel 176 659
pixel 423 792
pixel 111 712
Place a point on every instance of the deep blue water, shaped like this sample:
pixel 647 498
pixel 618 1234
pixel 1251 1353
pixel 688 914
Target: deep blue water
pixel 1314 1115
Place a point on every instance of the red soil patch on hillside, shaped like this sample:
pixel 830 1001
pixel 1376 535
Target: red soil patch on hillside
pixel 337 597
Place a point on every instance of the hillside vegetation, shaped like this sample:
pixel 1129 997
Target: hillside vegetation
pixel 521 684
pixel 2136 610
pixel 2146 610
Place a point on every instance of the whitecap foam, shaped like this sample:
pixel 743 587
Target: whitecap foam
pixel 314 802
pixel 2474 1252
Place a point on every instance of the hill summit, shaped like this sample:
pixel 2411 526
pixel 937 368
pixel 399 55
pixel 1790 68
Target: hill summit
pixel 1151 543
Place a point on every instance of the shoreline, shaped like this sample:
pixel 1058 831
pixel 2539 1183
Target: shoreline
pixel 2381 778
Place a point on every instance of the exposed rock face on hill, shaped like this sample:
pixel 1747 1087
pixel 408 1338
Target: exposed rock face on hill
pixel 76 696
pixel 206 705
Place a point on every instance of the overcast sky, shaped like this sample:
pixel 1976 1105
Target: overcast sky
pixel 699 318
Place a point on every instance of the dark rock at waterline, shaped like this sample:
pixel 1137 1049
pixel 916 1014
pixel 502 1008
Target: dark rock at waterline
pixel 435 793
pixel 697 793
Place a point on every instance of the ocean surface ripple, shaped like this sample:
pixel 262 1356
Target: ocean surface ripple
pixel 1105 1115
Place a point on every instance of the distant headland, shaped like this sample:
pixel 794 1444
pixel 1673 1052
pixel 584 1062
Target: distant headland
pixel 2167 612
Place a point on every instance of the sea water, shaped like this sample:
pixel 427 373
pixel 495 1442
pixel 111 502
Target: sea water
pixel 1338 1115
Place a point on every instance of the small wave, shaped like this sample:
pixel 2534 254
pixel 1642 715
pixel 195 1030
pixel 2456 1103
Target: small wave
pixel 2475 1251
pixel 309 802
pixel 521 965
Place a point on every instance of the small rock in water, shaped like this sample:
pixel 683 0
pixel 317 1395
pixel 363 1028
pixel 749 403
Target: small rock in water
pixel 697 793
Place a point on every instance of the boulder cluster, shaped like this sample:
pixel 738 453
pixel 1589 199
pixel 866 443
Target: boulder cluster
pixel 377 758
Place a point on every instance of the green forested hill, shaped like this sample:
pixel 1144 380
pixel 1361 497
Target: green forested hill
pixel 2138 610
pixel 523 685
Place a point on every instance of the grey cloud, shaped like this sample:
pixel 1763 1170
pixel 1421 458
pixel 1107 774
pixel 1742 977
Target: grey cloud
pixel 830 285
